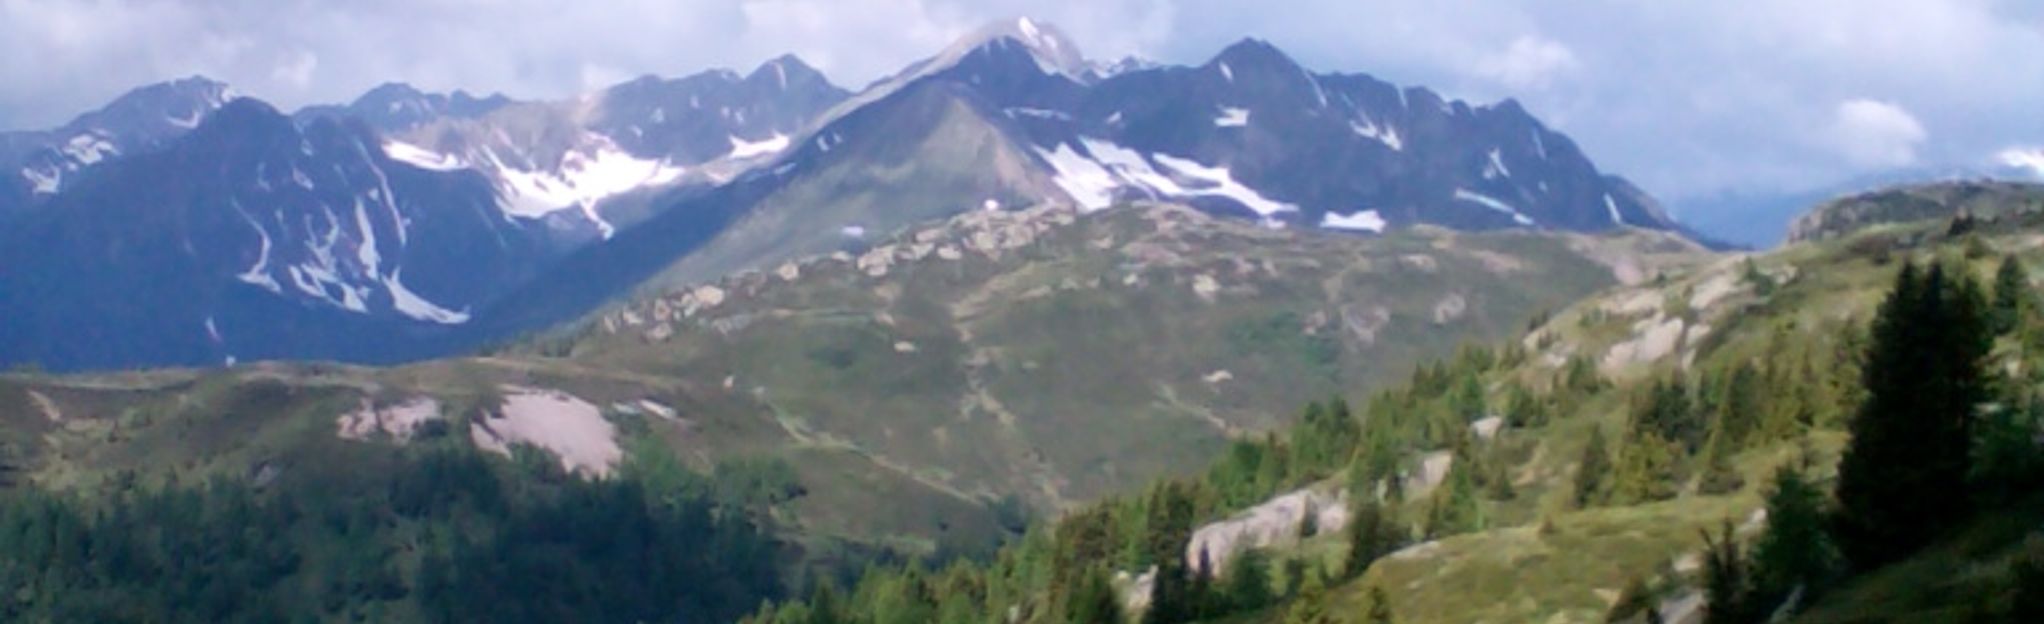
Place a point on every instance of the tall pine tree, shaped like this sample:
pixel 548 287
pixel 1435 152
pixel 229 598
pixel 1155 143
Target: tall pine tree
pixel 1793 552
pixel 1593 471
pixel 1902 479
pixel 2011 294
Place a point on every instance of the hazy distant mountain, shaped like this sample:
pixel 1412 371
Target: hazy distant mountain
pixel 36 165
pixel 396 107
pixel 1760 220
pixel 255 237
pixel 430 223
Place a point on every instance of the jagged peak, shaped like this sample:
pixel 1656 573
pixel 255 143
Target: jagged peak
pixel 1053 51
pixel 1127 64
pixel 245 114
pixel 786 70
pixel 391 90
pixel 1253 52
pixel 392 94
pixel 158 109
pixel 207 91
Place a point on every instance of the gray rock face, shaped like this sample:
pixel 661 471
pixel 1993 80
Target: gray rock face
pixel 1274 522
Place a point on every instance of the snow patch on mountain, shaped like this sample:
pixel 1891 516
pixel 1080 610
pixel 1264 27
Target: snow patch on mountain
pixel 1221 183
pixel 1232 117
pixel 43 182
pixel 742 149
pixel 1493 203
pixel 1133 168
pixel 87 149
pixel 1091 178
pixel 1365 221
pixel 1611 206
pixel 421 157
pixel 587 175
pixel 1090 185
pixel 411 304
pixel 187 122
pixel 365 250
pixel 1382 134
pixel 1039 113
pixel 1497 167
pixel 259 273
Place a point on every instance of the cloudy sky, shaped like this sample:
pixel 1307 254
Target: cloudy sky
pixel 1686 98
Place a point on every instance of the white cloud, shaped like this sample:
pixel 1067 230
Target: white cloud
pixel 1870 133
pixel 1530 62
pixel 2029 160
pixel 297 72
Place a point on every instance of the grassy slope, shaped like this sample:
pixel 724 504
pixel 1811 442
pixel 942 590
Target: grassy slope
pixel 1520 573
pixel 1080 362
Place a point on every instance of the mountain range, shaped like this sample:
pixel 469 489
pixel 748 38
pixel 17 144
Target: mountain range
pixel 184 225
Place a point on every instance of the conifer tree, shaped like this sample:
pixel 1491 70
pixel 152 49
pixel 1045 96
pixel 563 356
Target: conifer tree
pixel 1902 479
pixel 1741 409
pixel 824 605
pixel 1719 475
pixel 1454 509
pixel 1368 536
pixel 1728 587
pixel 904 600
pixel 1248 581
pixel 2007 462
pixel 1522 409
pixel 1094 601
pixel 1379 609
pixel 1172 596
pixel 1467 402
pixel 2011 294
pixel 1794 551
pixel 1669 413
pixel 1592 471
pixel 1203 599
pixel 1646 470
pixel 1310 607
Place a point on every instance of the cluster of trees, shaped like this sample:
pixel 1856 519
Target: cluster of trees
pixel 1938 433
pixel 1068 572
pixel 1075 569
pixel 1688 425
pixel 446 534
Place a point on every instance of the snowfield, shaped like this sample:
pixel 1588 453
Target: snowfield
pixel 1365 221
pixel 1231 117
pixel 741 148
pixel 570 428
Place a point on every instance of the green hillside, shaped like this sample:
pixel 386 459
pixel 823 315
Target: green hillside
pixel 1707 396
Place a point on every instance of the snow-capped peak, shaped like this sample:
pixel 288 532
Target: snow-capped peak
pixel 1125 65
pixel 1054 53
pixel 1048 46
